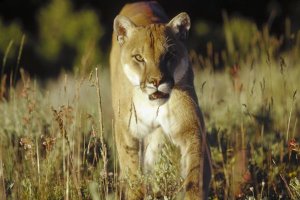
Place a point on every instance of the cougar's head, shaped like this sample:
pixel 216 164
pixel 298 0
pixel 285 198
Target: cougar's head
pixel 154 57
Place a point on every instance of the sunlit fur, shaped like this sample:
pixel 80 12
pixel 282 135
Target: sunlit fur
pixel 153 94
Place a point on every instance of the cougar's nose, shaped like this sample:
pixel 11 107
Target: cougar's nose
pixel 155 82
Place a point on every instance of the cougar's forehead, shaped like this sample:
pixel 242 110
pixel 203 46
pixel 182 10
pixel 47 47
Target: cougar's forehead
pixel 152 40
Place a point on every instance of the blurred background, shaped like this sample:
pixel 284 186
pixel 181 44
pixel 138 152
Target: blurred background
pixel 246 58
pixel 44 37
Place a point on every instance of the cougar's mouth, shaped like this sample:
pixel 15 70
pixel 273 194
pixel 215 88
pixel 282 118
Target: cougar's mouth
pixel 158 95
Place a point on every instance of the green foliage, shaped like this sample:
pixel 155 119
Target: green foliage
pixel 62 28
pixel 204 34
pixel 10 38
pixel 165 178
pixel 9 33
pixel 240 36
pixel 240 41
pixel 65 37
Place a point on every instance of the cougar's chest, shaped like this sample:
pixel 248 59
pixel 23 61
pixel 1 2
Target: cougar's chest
pixel 143 117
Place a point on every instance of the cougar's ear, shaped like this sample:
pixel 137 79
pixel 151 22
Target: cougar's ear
pixel 181 25
pixel 123 27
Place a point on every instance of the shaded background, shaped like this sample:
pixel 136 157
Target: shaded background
pixel 62 33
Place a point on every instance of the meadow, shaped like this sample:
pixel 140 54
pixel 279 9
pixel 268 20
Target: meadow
pixel 57 136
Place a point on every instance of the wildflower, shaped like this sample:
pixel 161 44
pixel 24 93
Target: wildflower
pixel 293 145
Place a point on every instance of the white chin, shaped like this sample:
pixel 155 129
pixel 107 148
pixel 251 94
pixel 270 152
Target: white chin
pixel 158 102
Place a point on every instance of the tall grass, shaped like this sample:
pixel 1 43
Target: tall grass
pixel 57 141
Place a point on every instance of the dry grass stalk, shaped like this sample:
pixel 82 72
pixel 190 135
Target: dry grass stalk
pixel 68 167
pixel 103 145
pixel 2 182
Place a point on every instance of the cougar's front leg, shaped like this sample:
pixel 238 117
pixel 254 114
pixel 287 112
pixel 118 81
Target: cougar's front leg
pixel 128 148
pixel 195 164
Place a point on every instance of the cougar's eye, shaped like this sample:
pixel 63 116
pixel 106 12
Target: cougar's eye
pixel 138 58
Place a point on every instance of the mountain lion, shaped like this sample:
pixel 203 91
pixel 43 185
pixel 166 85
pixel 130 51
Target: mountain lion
pixel 153 95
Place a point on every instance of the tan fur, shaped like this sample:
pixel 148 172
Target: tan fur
pixel 153 94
